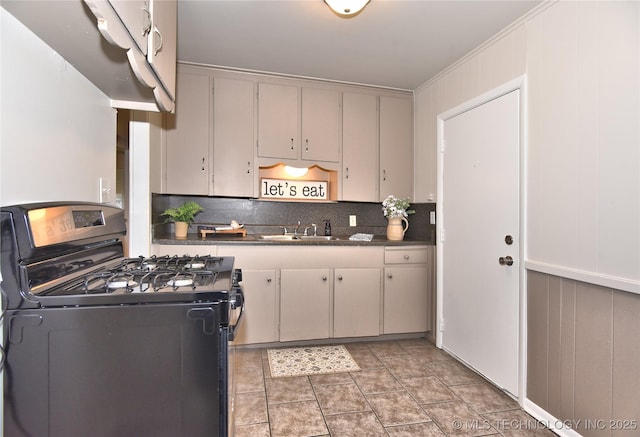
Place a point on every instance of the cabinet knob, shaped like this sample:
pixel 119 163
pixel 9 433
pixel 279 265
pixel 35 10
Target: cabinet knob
pixel 389 275
pixel 339 277
pixel 406 257
pixel 269 280
pixel 324 277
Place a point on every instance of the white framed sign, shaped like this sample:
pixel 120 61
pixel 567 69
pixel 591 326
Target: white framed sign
pixel 293 189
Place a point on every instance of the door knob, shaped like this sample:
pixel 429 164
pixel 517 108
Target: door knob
pixel 505 261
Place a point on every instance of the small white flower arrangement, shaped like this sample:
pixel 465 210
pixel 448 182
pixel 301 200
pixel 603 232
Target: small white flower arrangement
pixel 394 207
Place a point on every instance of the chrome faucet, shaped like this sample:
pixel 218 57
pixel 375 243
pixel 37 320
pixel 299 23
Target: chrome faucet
pixel 295 231
pixel 315 229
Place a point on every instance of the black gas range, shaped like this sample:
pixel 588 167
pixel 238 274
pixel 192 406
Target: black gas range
pixel 99 344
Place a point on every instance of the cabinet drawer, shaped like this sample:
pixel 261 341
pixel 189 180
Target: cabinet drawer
pixel 405 255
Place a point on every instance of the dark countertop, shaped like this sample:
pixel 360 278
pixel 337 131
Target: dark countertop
pixel 253 239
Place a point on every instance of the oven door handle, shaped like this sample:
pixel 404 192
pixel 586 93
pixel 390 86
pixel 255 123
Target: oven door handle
pixel 237 300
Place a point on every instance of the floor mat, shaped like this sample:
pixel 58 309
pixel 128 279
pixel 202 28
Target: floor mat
pixel 312 360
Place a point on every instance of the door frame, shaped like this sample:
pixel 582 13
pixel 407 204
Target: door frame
pixel 518 83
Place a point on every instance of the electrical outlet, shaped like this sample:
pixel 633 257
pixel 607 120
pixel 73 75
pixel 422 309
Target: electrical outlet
pixel 352 220
pixel 432 217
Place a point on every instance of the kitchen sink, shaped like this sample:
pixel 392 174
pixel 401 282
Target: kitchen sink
pixel 317 238
pixel 279 237
pixel 288 237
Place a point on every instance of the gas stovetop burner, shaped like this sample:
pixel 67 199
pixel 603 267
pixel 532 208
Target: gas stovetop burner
pixel 201 262
pixel 154 274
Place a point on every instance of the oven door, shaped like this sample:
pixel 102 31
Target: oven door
pixel 144 370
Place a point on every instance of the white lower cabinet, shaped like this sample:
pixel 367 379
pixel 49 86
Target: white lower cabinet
pixel 304 304
pixel 406 290
pixel 259 322
pixel 296 293
pixel 356 302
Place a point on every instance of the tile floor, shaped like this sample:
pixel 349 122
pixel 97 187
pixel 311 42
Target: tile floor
pixel 404 388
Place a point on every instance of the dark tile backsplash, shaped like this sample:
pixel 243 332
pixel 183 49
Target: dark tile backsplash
pixel 267 216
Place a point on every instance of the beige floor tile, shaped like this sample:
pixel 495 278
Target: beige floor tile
pixel 297 419
pixel 249 379
pixel 386 348
pixel 355 425
pixel 245 358
pixel 250 408
pixel 404 366
pixel 254 430
pixel 429 355
pixel 458 419
pixel 376 381
pixel 291 389
pixel 339 399
pixel 427 390
pixel 416 389
pixel 397 408
pixel 366 359
pixel 331 379
pixel 414 342
pixel 454 373
pixel 484 398
pixel 428 429
pixel 517 423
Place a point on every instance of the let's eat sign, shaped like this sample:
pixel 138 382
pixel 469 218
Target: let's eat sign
pixel 292 189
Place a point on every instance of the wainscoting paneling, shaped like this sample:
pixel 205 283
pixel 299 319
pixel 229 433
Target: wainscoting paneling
pixel 584 354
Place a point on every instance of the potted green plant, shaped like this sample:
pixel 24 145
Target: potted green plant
pixel 182 216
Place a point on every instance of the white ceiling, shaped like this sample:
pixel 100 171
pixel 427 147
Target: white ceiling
pixel 391 43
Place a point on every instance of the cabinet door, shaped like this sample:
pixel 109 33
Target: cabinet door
pixel 258 324
pixel 304 304
pixel 163 43
pixel 278 121
pixel 136 16
pixel 187 137
pixel 356 302
pixel 320 125
pixel 396 147
pixel 406 299
pixel 359 147
pixel 233 137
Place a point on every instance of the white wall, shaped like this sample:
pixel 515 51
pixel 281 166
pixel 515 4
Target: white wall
pixel 57 130
pixel 584 120
pixel 583 164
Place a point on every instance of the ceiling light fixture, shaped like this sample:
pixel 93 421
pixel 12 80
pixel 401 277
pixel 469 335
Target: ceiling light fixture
pixel 347 8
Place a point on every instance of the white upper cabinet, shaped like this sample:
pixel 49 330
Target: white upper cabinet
pixel 359 147
pixel 278 134
pixel 320 125
pixel 298 123
pixel 233 137
pixel 396 147
pixel 163 38
pixel 147 30
pixel 187 137
pixel 136 16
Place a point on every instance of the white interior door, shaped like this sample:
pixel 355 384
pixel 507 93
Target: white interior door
pixel 480 222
